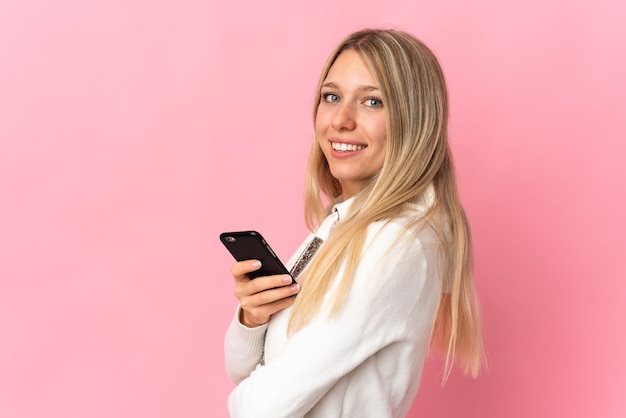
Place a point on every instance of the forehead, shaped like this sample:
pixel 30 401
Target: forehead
pixel 350 69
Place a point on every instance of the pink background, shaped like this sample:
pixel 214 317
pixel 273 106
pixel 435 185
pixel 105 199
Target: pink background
pixel 133 132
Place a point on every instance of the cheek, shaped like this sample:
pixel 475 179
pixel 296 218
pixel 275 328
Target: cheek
pixel 319 130
pixel 321 121
pixel 379 133
pixel 320 138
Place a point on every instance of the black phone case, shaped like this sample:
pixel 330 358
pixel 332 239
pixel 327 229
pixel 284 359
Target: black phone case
pixel 250 245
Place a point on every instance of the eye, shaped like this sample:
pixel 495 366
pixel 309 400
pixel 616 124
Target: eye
pixel 373 102
pixel 330 97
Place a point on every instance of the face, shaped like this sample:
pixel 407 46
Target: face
pixel 351 125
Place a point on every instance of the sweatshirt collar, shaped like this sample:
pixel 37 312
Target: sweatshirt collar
pixel 425 201
pixel 341 208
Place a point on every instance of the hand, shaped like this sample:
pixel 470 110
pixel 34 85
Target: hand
pixel 262 297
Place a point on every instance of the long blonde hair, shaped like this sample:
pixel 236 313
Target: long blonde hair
pixel 417 156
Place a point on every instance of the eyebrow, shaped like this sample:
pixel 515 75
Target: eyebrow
pixel 363 87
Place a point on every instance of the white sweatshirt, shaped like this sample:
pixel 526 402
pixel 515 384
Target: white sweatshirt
pixel 367 360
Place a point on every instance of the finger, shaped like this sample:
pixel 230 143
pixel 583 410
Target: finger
pixel 245 287
pixel 265 313
pixel 272 295
pixel 254 315
pixel 242 268
pixel 252 302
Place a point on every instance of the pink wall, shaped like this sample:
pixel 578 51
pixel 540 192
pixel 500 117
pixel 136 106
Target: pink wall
pixel 133 132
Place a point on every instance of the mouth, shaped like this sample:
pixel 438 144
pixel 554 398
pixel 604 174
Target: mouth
pixel 343 147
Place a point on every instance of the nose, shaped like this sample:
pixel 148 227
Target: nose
pixel 344 118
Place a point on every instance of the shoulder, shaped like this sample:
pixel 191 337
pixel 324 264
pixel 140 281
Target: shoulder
pixel 398 270
pixel 409 232
pixel 415 225
pixel 400 248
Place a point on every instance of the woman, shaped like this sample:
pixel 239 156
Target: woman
pixel 393 272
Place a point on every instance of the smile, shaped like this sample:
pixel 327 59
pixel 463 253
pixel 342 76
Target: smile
pixel 347 147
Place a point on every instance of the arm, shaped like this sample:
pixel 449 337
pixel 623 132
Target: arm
pixel 243 348
pixel 386 289
pixel 259 299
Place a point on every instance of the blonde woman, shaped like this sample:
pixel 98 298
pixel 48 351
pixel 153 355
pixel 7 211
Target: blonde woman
pixel 386 273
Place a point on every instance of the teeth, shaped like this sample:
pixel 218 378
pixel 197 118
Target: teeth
pixel 346 147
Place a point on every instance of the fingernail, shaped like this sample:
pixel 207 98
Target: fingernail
pixel 294 288
pixel 256 263
pixel 286 279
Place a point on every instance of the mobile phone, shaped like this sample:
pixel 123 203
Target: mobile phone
pixel 250 245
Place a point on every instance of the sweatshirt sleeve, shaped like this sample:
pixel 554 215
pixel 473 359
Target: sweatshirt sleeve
pixel 393 280
pixel 243 348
